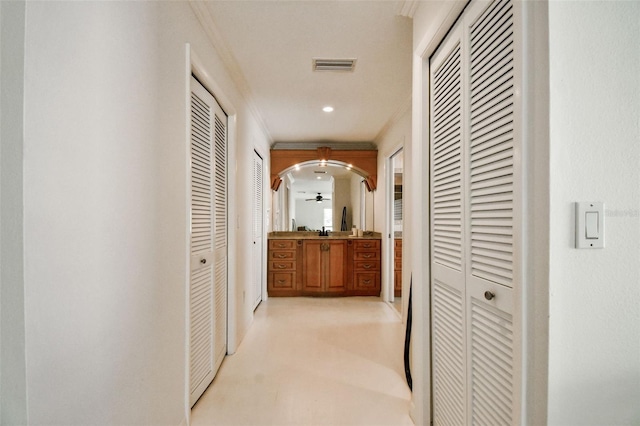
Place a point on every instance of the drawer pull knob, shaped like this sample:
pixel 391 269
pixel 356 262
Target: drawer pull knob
pixel 368 266
pixel 489 295
pixel 203 261
pixel 282 256
pixel 281 245
pixel 368 255
pixel 282 266
pixel 281 281
pixel 367 245
pixel 366 281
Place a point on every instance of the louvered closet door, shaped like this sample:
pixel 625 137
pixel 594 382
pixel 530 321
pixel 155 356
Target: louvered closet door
pixel 490 227
pixel 220 234
pixel 494 193
pixel 447 238
pixel 208 240
pixel 258 228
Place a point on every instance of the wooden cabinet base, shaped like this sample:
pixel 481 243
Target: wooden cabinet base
pixel 323 267
pixel 397 271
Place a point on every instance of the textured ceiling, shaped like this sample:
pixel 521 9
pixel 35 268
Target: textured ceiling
pixel 274 42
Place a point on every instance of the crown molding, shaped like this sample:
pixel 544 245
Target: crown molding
pixel 406 8
pixel 402 110
pixel 207 22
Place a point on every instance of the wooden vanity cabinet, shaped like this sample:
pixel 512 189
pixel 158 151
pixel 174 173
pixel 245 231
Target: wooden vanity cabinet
pixel 324 269
pixel 397 271
pixel 366 268
pixel 282 271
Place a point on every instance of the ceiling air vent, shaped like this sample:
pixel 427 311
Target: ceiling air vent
pixel 333 64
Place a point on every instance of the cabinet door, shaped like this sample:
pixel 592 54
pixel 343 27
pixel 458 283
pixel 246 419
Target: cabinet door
pixel 335 267
pixel 324 266
pixel 312 266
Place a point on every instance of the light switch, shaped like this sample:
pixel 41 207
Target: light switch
pixel 591 225
pixel 589 230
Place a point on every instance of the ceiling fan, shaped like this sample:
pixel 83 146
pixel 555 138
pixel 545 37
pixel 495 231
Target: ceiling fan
pixel 319 198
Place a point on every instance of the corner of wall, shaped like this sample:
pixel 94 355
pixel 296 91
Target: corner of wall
pixel 13 390
pixel 536 158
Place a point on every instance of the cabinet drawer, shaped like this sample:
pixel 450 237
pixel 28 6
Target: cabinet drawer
pixel 282 265
pixel 398 264
pixel 366 280
pixel 398 244
pixel 367 245
pixel 283 280
pixel 366 255
pixel 397 253
pixel 282 255
pixel 282 244
pixel 367 265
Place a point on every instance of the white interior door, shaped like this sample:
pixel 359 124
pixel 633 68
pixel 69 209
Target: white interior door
pixel 447 237
pixel 208 278
pixel 258 228
pixel 476 188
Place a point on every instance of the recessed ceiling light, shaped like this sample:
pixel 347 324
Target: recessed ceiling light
pixel 328 109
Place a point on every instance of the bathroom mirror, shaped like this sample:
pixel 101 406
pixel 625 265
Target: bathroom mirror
pixel 314 196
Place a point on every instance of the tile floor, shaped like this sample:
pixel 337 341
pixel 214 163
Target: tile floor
pixel 313 361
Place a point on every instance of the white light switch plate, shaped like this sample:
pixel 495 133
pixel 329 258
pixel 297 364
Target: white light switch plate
pixel 589 225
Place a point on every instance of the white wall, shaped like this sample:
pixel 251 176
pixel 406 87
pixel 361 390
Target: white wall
pixel 397 136
pixel 105 217
pixel 13 408
pixel 250 138
pixel 594 347
pixel 311 213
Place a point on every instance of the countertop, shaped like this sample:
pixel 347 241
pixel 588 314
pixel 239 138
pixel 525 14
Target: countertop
pixel 313 235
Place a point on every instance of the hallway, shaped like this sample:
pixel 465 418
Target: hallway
pixel 313 361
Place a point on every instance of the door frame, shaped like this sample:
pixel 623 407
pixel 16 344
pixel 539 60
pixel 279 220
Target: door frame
pixel 389 254
pixel 196 66
pixel 535 292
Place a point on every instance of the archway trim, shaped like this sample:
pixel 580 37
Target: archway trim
pixel 284 159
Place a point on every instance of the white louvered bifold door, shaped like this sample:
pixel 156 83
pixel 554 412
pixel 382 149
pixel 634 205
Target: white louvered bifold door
pixel 447 238
pixel 207 292
pixel 487 35
pixel 220 234
pixel 258 228
pixel 495 190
